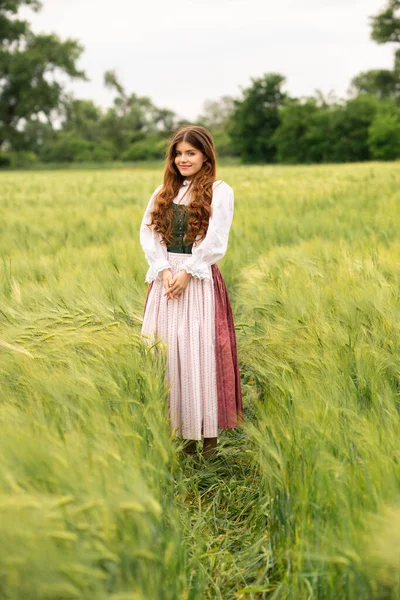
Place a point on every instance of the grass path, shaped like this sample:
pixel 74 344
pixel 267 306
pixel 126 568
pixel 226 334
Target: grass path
pixel 225 509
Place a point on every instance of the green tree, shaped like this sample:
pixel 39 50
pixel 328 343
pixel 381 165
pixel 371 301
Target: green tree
pixel 378 82
pixel 216 116
pixel 150 148
pixel 30 67
pixel 386 24
pixel 382 83
pixel 291 137
pixel 67 147
pixel 83 117
pixel 256 118
pixel 216 113
pixel 132 118
pixel 384 132
pixel 35 134
pixel 349 136
pixel 317 131
pixel 321 134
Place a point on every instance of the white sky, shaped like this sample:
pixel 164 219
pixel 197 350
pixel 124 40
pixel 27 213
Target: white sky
pixel 182 53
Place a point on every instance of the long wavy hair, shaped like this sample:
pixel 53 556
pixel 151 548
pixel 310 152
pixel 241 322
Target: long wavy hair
pixel 199 208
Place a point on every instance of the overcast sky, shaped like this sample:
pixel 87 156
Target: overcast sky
pixel 182 53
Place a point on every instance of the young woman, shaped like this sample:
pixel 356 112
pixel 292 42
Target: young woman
pixel 184 232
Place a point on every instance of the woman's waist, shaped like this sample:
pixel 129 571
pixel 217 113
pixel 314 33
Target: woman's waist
pixel 178 254
pixel 177 258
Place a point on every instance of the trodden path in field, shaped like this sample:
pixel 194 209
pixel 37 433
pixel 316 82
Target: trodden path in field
pixel 224 518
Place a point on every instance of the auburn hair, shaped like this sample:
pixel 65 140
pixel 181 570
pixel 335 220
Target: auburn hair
pixel 201 187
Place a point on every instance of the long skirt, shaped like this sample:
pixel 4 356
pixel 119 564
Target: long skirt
pixel 202 365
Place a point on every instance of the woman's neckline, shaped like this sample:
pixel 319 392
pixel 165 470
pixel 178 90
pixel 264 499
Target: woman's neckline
pixel 185 183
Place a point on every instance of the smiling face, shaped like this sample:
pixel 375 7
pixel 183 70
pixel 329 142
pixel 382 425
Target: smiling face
pixel 189 160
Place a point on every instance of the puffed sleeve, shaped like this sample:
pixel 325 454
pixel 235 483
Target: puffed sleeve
pixel 155 253
pixel 213 247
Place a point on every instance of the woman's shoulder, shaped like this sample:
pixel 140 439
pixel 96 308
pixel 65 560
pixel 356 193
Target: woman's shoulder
pixel 157 189
pixel 222 185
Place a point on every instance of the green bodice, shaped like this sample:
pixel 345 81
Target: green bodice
pixel 180 227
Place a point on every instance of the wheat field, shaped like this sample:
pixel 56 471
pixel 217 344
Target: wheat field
pixel 301 502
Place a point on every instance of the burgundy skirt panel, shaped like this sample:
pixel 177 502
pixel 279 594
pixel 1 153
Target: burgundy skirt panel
pixel 230 407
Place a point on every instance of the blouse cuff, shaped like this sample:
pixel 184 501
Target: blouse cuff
pixel 156 268
pixel 197 267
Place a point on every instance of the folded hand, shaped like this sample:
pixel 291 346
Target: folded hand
pixel 176 284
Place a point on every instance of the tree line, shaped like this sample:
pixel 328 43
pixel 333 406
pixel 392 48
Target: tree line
pixel 39 121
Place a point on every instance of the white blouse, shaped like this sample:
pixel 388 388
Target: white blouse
pixel 205 252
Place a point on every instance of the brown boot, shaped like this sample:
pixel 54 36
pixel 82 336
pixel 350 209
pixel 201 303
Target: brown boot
pixel 190 446
pixel 209 447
